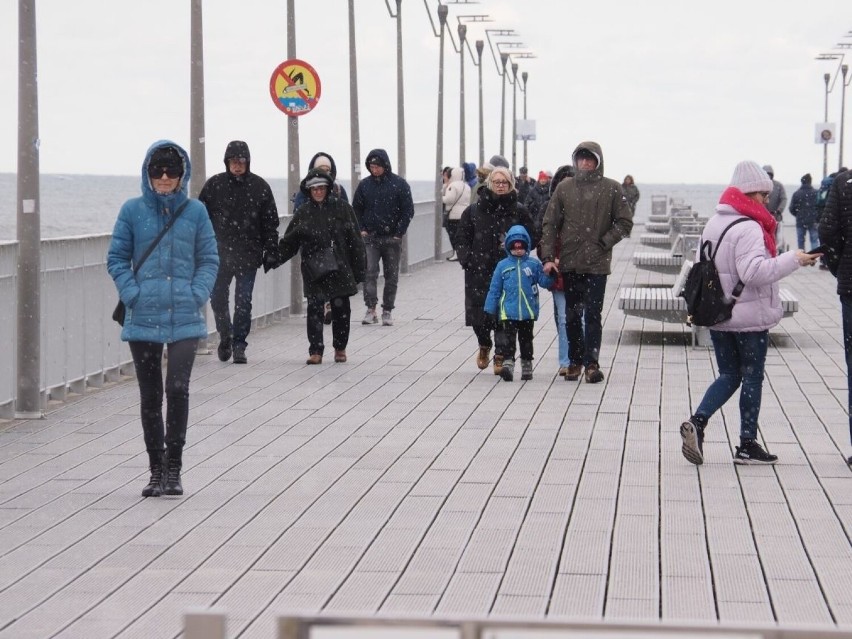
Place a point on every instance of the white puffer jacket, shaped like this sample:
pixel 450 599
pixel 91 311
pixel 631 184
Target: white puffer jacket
pixel 456 194
pixel 743 256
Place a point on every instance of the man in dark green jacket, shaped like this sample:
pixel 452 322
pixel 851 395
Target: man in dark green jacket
pixel 586 216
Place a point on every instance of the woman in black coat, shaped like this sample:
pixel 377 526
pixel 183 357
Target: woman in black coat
pixel 479 245
pixel 334 260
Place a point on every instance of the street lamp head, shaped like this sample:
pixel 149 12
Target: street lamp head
pixel 462 32
pixel 443 11
pixel 480 46
pixel 524 77
pixel 826 77
pixel 515 70
pixel 504 57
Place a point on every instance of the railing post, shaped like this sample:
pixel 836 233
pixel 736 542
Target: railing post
pixel 205 624
pixel 470 630
pixel 292 628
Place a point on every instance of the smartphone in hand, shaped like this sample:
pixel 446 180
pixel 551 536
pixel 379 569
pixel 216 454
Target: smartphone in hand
pixel 819 249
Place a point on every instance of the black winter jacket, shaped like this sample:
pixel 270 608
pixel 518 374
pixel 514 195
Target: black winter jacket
pixel 383 205
pixel 835 231
pixel 803 205
pixel 328 223
pixel 243 212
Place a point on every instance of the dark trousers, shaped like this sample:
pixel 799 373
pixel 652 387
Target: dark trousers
pixel 219 302
pixel 846 309
pixel 148 362
pixel 522 330
pixel 452 226
pixel 388 251
pixel 340 316
pixel 584 296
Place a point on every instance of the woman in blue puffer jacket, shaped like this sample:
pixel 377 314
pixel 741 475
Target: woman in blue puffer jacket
pixel 164 301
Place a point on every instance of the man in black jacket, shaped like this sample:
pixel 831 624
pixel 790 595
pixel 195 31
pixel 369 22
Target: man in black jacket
pixel 384 208
pixel 835 233
pixel 245 219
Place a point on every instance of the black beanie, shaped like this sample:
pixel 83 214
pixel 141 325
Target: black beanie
pixel 806 178
pixel 167 156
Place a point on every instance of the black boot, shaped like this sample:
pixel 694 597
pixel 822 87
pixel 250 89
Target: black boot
pixel 173 485
pixel 155 484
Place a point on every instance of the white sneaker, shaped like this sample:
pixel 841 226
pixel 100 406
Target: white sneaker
pixel 387 320
pixel 370 317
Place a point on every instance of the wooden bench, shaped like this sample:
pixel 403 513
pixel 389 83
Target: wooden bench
pixel 663 303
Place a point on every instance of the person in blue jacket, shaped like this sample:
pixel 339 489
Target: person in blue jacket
pixel 513 300
pixel 164 301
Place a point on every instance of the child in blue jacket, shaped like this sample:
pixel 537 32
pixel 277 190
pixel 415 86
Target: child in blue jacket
pixel 513 300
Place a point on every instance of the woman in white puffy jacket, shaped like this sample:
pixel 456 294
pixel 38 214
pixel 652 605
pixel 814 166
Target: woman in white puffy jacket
pixel 747 254
pixel 456 197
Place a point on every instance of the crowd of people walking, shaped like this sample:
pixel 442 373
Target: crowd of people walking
pixel 571 219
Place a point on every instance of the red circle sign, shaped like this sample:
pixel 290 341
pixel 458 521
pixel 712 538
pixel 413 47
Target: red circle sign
pixel 295 87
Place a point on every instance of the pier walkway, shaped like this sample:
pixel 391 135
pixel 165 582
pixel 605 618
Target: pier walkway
pixel 408 482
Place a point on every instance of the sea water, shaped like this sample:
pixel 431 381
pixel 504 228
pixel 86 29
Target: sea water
pixel 88 204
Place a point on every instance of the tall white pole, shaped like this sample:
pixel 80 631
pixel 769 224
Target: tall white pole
pixel 525 76
pixel 443 10
pixel 462 35
pixel 826 77
pixel 354 125
pixel 515 117
pixel 28 403
pixel 504 57
pixel 480 45
pixel 400 123
pixel 844 69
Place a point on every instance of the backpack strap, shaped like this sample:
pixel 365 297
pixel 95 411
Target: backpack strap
pixel 739 286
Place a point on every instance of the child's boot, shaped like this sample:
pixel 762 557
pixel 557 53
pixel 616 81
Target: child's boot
pixel 526 369
pixel 507 371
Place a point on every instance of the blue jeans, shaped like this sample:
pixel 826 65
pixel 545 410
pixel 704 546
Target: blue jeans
pixel 386 249
pixel 584 296
pixel 740 358
pixel 561 332
pixel 812 230
pixel 243 290
pixel 846 310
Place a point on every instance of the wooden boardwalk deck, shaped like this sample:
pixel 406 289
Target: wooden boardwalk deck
pixel 406 481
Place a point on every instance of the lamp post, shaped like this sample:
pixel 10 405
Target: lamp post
pixel 439 145
pixel 462 36
pixel 525 76
pixel 515 117
pixel 826 77
pixel 28 347
pixel 504 57
pixel 480 45
pixel 293 169
pixel 844 68
pixel 354 125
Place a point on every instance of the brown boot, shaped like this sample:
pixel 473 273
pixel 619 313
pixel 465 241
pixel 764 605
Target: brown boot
pixel 594 373
pixel 498 364
pixel 316 358
pixel 339 356
pixel 483 357
pixel 573 373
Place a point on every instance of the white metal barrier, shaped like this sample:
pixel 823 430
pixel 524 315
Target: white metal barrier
pixel 212 624
pixel 81 345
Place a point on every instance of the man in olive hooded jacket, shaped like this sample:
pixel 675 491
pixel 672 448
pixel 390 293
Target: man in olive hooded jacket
pixel 586 216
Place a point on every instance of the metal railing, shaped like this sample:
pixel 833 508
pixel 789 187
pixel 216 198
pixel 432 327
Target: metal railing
pixel 80 344
pixel 212 624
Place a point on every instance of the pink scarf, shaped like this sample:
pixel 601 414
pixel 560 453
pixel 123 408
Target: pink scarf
pixel 743 205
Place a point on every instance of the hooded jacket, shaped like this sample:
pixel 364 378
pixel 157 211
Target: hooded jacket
pixel 589 214
pixel 243 212
pixel 803 205
pixel 513 294
pixel 318 225
pixel 457 194
pixel 743 256
pixel 337 189
pixel 164 299
pixel 383 204
pixel 835 231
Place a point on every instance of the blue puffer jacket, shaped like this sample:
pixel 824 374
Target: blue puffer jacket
pixel 164 299
pixel 513 294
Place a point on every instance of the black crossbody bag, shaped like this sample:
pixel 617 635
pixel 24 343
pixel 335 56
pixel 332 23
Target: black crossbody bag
pixel 120 310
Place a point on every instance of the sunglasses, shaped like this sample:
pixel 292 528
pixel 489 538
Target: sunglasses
pixel 171 172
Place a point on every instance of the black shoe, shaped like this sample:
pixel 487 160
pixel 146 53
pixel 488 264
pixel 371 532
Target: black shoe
pixel 155 484
pixel 173 485
pixel 693 442
pixel 224 350
pixel 240 355
pixel 507 370
pixel 750 452
pixel 594 375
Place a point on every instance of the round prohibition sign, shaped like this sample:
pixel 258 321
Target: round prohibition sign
pixel 295 87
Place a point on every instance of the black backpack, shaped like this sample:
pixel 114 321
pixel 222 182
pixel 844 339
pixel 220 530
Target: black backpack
pixel 705 301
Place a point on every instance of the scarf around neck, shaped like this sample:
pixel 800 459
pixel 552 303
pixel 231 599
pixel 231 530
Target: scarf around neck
pixel 743 205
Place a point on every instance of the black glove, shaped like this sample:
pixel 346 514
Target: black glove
pixel 270 260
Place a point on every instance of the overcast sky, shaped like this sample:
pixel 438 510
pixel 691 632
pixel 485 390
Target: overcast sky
pixel 675 91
